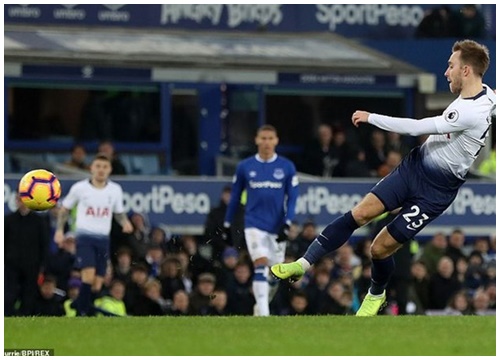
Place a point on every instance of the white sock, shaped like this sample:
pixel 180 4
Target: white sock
pixel 376 296
pixel 305 264
pixel 260 288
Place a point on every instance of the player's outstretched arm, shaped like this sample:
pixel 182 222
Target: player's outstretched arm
pixel 404 126
pixel 122 219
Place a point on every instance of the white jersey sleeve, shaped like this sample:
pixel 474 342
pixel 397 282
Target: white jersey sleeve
pixel 405 126
pixel 71 199
pixel 118 206
pixel 443 124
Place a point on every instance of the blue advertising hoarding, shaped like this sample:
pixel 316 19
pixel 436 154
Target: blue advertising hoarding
pixel 389 21
pixel 183 204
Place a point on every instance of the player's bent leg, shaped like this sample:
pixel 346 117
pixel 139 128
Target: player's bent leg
pixel 384 245
pixel 367 209
pixel 382 249
pixel 332 237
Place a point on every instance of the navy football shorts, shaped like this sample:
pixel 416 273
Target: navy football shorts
pixel 92 251
pixel 420 200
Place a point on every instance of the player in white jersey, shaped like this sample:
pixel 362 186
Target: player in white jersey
pixel 97 200
pixel 425 183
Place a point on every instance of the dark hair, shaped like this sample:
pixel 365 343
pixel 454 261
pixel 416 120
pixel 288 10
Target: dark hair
pixel 139 267
pixel 116 282
pixel 124 250
pixel 308 223
pixel 300 294
pixel 76 146
pixel 473 54
pixel 101 156
pixel 50 279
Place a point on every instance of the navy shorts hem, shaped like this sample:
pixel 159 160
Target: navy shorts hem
pixel 381 200
pixel 398 235
pixel 92 252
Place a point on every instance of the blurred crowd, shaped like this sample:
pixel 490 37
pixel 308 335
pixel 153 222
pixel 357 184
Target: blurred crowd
pixel 442 21
pixel 154 272
pixel 331 154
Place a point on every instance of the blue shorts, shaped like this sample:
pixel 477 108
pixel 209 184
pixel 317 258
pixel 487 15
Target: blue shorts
pixel 92 252
pixel 420 199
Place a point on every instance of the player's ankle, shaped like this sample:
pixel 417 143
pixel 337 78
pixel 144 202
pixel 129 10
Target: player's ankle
pixel 304 263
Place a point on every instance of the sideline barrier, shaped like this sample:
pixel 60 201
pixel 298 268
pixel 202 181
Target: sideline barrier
pixel 182 204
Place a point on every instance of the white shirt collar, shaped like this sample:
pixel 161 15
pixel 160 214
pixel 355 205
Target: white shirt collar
pixel 259 159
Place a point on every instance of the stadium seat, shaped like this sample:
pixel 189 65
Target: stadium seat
pixel 59 158
pixel 29 161
pixel 147 164
pixel 126 161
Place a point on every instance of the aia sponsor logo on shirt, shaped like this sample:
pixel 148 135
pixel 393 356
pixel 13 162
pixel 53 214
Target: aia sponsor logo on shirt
pixel 98 212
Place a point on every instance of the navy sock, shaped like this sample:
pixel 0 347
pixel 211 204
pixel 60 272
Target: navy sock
pixel 93 296
pixel 331 238
pixel 84 300
pixel 382 270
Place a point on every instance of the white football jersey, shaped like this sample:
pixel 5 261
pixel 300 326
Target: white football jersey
pixel 456 136
pixel 95 206
pixel 462 131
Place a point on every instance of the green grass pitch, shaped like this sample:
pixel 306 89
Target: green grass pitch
pixel 284 335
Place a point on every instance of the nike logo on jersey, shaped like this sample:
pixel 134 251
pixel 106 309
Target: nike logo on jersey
pixel 410 227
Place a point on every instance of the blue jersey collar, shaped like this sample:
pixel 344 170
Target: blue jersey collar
pixel 259 159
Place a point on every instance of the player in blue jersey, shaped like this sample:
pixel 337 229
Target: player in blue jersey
pixel 427 180
pixel 98 199
pixel 272 189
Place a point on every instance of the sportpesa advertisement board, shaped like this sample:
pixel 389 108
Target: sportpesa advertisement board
pixel 182 204
pixel 382 21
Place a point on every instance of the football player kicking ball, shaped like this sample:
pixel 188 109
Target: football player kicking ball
pixel 97 199
pixel 427 180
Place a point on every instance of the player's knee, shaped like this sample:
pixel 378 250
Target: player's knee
pixel 361 215
pixel 379 251
pixel 262 261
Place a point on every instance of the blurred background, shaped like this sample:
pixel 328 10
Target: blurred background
pixel 175 94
